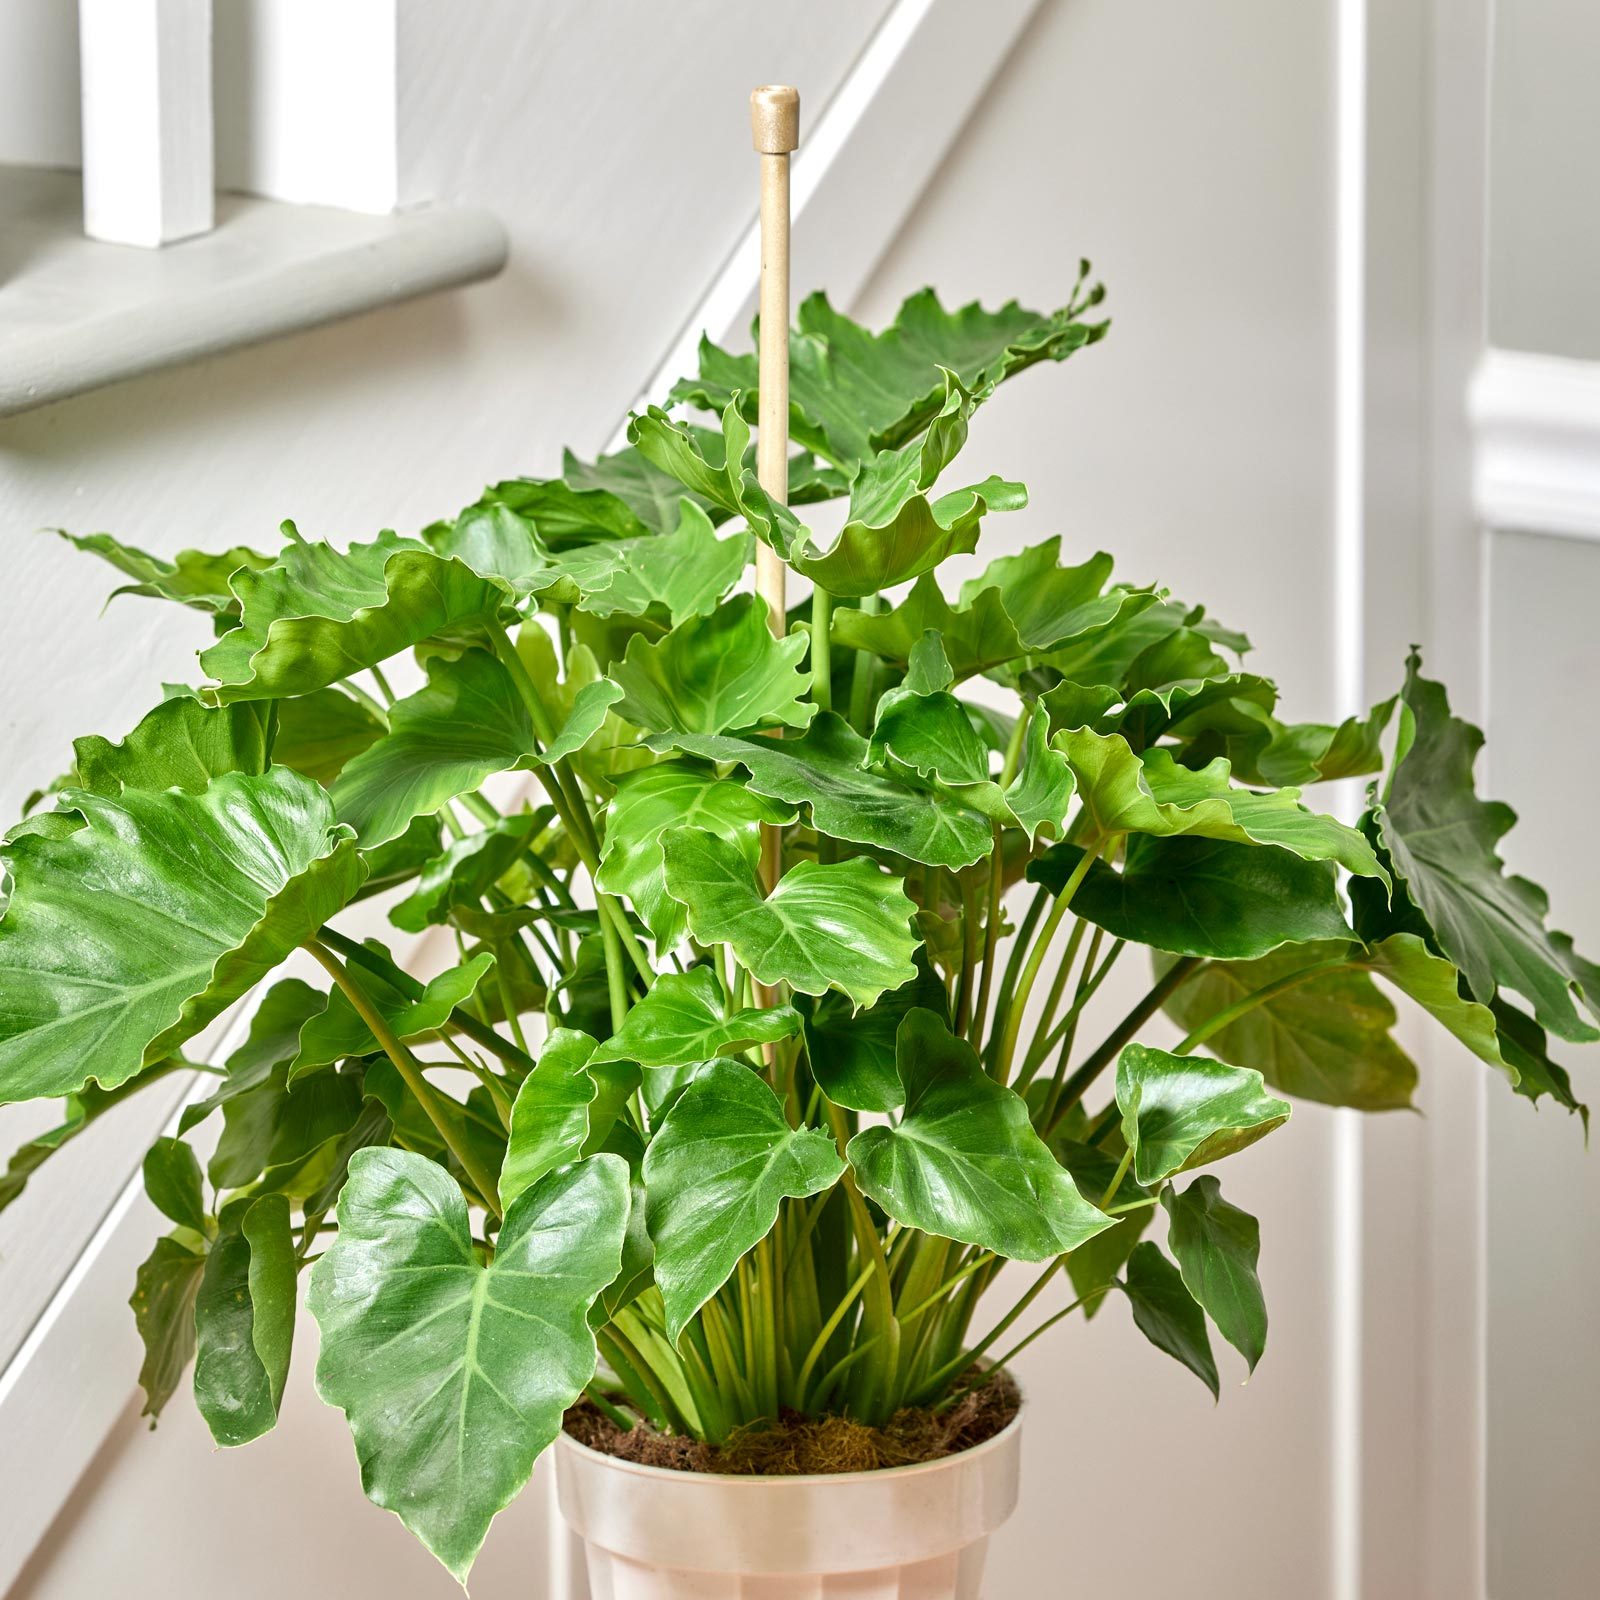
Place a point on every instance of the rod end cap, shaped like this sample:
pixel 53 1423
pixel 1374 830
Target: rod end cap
pixel 775 119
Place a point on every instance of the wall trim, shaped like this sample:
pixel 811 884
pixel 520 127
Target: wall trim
pixel 1536 433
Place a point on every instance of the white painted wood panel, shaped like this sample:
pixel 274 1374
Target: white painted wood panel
pixel 146 89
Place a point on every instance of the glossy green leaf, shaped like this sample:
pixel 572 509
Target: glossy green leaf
pixel 272 1041
pixel 172 1181
pixel 337 1032
pixel 1180 1112
pixel 181 743
pixel 668 795
pixel 1314 752
pixel 282 1138
pixel 1203 897
pixel 712 674
pixel 853 391
pixel 550 1118
pixel 825 771
pixel 843 926
pixel 318 614
pixel 1047 603
pixel 686 1017
pixel 963 1162
pixel 192 578
pixel 244 1320
pixel 1441 838
pixel 1326 1039
pixel 163 1308
pixel 464 872
pixel 128 936
pixel 852 1052
pixel 454 1376
pixel 320 733
pixel 1166 1314
pixel 1217 1247
pixel 716 1173
pixel 686 572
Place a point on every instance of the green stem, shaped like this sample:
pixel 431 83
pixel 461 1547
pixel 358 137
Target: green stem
pixel 991 935
pixel 410 1071
pixel 1000 1363
pixel 616 979
pixel 821 647
pixel 862 673
pixel 382 683
pixel 959 1363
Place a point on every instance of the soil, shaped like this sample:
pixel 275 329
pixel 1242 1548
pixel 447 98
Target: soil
pixel 810 1445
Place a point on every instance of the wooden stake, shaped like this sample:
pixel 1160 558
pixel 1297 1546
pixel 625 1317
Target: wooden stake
pixel 775 130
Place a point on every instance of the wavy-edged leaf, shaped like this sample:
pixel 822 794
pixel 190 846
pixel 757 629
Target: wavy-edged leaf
pixel 1048 604
pixel 286 1139
pixel 844 925
pixel 1180 1112
pixel 244 1320
pixel 853 392
pixel 1166 1313
pixel 192 578
pixel 686 1017
pixel 716 1172
pixel 1203 897
pixel 825 771
pixel 1217 1247
pixel 163 1298
pixel 318 614
pixel 712 674
pixel 852 1052
pixel 453 1375
pixel 463 874
pixel 272 1041
pixel 964 1162
pixel 686 572
pixel 1442 841
pixel 320 733
pixel 126 937
pixel 1326 1039
pixel 337 1032
pixel 182 743
pixel 1316 752
pixel 675 794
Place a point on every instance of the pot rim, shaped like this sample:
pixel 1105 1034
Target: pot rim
pixel 773 1480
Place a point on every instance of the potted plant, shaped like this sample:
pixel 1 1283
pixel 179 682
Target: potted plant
pixel 743 1085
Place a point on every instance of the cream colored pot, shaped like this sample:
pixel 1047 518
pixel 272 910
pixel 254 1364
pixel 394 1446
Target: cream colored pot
pixel 909 1533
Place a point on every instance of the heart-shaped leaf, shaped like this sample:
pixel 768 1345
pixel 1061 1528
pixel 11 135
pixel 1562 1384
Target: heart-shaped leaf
pixel 711 674
pixel 668 795
pixel 244 1320
pixel 550 1117
pixel 1180 1112
pixel 716 1172
pixel 686 1017
pixel 182 744
pixel 844 926
pixel 127 936
pixel 454 1375
pixel 1218 1246
pixel 852 1052
pixel 964 1162
pixel 318 614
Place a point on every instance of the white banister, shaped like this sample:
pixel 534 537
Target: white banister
pixel 147 140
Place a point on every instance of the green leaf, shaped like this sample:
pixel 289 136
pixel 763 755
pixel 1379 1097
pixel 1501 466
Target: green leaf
pixel 181 743
pixel 192 578
pixel 463 874
pixel 1180 1112
pixel 1049 604
pixel 825 771
pixel 272 1041
pixel 1523 1044
pixel 128 936
pixel 648 493
pixel 1314 752
pixel 686 1017
pixel 286 1139
pixel 976 637
pixel 163 1307
pixel 852 1053
pixel 319 734
pixel 1203 897
pixel 337 1032
pixel 852 391
pixel 1218 1246
pixel 1327 1039
pixel 445 740
pixel 842 926
pixel 454 1376
pixel 686 572
pixel 1441 838
pixel 716 1173
pixel 669 795
pixel 244 1320
pixel 550 1117
pixel 1040 795
pixel 964 1162
pixel 1166 1314
pixel 318 614
pixel 172 1180
pixel 1126 793
pixel 711 674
